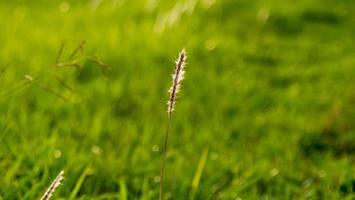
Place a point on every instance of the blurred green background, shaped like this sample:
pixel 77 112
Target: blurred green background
pixel 266 111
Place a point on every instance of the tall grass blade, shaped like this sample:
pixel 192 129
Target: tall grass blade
pixel 123 190
pixel 197 177
pixel 79 183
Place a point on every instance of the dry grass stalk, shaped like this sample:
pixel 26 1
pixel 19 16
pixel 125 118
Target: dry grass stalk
pixel 55 184
pixel 178 76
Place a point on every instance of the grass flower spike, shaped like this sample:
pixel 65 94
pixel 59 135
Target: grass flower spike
pixel 177 76
pixel 55 184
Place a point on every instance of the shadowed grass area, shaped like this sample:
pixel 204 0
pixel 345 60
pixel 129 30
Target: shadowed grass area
pixel 266 110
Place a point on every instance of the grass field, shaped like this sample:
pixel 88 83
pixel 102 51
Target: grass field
pixel 267 109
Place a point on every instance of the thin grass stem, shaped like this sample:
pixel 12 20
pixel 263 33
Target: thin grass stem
pixel 162 173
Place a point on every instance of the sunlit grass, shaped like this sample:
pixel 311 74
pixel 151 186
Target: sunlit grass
pixel 269 96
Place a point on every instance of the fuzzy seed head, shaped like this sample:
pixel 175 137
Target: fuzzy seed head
pixel 177 77
pixel 55 184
